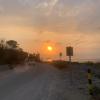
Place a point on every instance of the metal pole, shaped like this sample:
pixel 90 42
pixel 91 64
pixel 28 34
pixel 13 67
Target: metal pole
pixel 71 75
pixel 70 60
pixel 60 55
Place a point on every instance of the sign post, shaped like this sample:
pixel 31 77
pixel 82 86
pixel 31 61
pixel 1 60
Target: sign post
pixel 60 55
pixel 69 53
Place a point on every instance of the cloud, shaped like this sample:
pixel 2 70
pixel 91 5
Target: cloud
pixel 88 17
pixel 47 6
pixel 56 20
pixel 57 16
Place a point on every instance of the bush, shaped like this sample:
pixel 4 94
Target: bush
pixel 60 64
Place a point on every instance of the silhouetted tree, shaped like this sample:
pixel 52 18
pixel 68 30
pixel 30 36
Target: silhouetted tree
pixel 37 57
pixel 2 51
pixel 34 57
pixel 2 44
pixel 11 54
pixel 12 44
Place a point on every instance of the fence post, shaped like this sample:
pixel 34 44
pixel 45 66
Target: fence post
pixel 90 83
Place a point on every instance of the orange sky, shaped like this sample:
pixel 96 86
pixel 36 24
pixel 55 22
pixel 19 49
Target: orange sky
pixel 59 23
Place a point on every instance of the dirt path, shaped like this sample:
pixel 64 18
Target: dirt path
pixel 42 82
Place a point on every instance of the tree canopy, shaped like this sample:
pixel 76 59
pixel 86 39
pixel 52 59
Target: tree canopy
pixel 12 54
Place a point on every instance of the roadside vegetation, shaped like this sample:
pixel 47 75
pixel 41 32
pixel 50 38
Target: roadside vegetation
pixel 65 64
pixel 60 64
pixel 11 54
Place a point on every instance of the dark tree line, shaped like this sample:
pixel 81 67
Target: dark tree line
pixel 34 57
pixel 12 54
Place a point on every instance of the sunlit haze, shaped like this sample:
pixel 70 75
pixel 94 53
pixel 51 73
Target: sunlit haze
pixel 51 25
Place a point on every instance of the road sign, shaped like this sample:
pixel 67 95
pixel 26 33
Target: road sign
pixel 69 51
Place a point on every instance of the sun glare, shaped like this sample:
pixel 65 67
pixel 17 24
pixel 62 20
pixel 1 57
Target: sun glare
pixel 49 48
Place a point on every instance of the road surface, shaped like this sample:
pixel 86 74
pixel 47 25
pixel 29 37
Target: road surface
pixel 40 82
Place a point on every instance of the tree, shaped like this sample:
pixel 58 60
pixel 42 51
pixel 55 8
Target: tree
pixel 11 54
pixel 34 57
pixel 12 44
pixel 37 57
pixel 2 44
pixel 2 51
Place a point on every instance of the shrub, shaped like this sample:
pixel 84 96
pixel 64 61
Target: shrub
pixel 60 64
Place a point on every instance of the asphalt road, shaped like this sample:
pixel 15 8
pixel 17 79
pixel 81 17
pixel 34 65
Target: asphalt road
pixel 40 82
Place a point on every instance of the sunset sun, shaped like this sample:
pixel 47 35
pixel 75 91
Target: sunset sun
pixel 50 48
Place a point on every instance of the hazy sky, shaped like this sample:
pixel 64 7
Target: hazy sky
pixel 38 23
